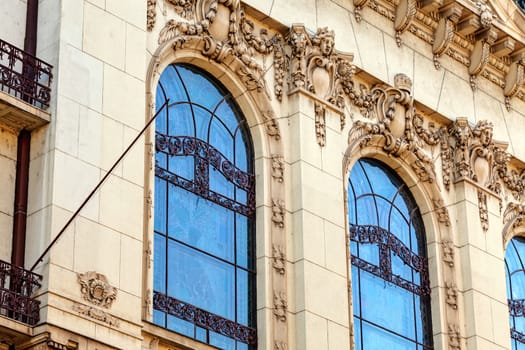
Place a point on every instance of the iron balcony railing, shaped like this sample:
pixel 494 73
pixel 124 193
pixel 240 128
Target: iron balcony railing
pixel 16 288
pixel 25 76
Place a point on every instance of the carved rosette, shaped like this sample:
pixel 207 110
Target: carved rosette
pixel 96 289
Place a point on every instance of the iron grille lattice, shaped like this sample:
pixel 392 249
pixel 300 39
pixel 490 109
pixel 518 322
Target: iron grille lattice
pixel 16 287
pixel 25 76
pixel 204 319
pixel 389 243
pixel 206 155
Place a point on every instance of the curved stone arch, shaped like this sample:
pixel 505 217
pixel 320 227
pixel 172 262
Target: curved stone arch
pixel 440 245
pixel 513 223
pixel 259 111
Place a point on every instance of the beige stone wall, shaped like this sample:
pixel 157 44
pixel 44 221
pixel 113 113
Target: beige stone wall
pixel 13 14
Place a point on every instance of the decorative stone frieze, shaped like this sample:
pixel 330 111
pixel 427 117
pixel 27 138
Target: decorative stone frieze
pixel 96 289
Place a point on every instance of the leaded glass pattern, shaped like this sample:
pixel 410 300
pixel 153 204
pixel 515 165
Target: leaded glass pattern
pixel 515 274
pixel 389 265
pixel 204 273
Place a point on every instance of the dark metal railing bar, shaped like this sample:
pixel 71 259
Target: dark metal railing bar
pixel 95 189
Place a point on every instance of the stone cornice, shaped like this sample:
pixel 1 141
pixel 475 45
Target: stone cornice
pixel 468 32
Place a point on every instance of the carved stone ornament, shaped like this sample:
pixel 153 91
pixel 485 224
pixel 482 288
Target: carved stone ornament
pixel 279 259
pixel 405 12
pixel 151 14
pixel 279 345
pixel 96 289
pixel 395 125
pixel 280 305
pixel 315 66
pixel 96 314
pixel 452 295
pixel 444 33
pixel 220 30
pixel 454 337
pixel 514 79
pixel 441 211
pixel 479 56
pixel 448 253
pixel 278 168
pixel 514 216
pixel 483 210
pixel 278 212
pixel 271 125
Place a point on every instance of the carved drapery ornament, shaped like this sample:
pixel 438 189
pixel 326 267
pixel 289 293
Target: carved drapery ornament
pixel 96 289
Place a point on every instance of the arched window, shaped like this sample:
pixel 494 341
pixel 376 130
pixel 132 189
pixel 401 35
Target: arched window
pixel 204 256
pixel 390 284
pixel 515 268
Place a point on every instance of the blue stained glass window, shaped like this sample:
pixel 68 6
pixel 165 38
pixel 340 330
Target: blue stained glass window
pixel 388 262
pixel 515 273
pixel 204 268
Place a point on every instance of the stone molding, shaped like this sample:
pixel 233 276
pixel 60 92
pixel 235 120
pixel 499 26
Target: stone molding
pixel 468 31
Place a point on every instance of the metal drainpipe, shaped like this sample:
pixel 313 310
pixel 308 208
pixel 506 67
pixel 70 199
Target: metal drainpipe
pixel 24 143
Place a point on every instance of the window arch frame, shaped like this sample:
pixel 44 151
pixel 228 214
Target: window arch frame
pixel 355 231
pixel 167 143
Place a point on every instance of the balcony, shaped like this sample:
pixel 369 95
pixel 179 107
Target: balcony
pixel 25 88
pixel 16 288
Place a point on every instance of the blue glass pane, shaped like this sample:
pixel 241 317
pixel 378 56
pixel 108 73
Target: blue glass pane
pixel 369 253
pixel 160 205
pixel 399 227
pixel 241 155
pixel 366 209
pixel 359 181
pixel 220 184
pixel 401 204
pixel 221 341
pixel 201 280
pixel 241 196
pixel 180 121
pixel 180 326
pixel 381 182
pixel 221 139
pixel 243 294
pixel 242 346
pixel 171 83
pixel 201 334
pixel 201 90
pixel 202 122
pixel 375 292
pixel 182 166
pixel 352 218
pixel 227 115
pixel 201 223
pixel 357 334
pixel 375 338
pixel 400 268
pixel 159 318
pixel 161 160
pixel 241 227
pixel 161 121
pixel 383 209
pixel 159 263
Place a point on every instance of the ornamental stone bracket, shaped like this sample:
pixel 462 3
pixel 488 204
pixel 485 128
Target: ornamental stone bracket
pixel 467 31
pixel 321 72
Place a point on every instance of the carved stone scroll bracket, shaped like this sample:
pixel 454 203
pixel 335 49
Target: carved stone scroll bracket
pixel 96 289
pixel 480 54
pixel 444 31
pixel 514 78
pixel 483 210
pixel 320 124
pixel 280 305
pixel 405 12
pixel 358 6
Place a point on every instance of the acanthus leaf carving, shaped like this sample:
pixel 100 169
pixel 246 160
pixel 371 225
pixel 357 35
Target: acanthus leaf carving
pixel 441 211
pixel 405 12
pixel 272 127
pixel 279 259
pixel 96 289
pixel 278 167
pixel 280 305
pixel 278 212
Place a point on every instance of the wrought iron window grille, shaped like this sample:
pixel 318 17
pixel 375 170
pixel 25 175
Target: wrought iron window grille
pixel 25 76
pixel 388 243
pixel 204 319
